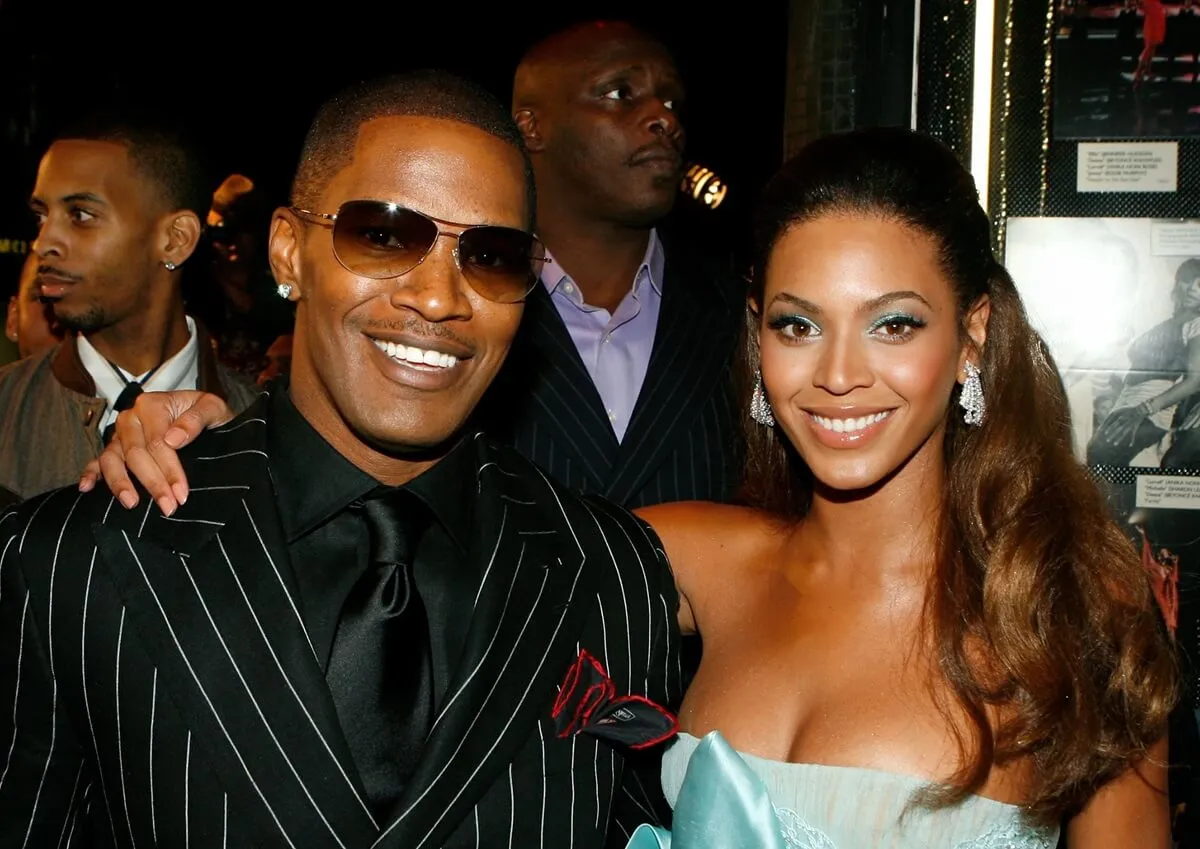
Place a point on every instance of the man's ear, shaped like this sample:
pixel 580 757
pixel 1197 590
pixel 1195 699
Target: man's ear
pixel 180 236
pixel 976 327
pixel 527 122
pixel 283 251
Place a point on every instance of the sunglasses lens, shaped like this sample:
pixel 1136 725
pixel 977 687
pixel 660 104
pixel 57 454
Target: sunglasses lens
pixel 379 240
pixel 501 263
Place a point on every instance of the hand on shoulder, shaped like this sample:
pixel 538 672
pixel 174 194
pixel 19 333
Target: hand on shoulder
pixel 145 444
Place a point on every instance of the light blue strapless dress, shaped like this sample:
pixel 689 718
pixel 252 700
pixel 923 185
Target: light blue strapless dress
pixel 723 798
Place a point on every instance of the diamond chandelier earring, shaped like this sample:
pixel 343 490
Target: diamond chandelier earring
pixel 971 396
pixel 284 290
pixel 760 407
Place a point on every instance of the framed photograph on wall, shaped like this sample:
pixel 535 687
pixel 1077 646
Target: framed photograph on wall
pixel 1160 513
pixel 1126 68
pixel 1118 302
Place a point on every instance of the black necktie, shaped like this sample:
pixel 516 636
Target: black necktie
pixel 124 402
pixel 133 388
pixel 380 666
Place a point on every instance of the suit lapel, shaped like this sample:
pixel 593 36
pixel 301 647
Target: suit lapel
pixel 211 594
pixel 520 644
pixel 563 393
pixel 693 344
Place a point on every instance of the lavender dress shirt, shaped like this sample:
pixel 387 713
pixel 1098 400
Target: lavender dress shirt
pixel 615 347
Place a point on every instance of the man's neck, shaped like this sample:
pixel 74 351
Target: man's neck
pixel 601 257
pixel 142 342
pixel 318 408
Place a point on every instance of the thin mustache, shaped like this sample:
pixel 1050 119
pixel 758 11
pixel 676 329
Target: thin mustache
pixel 666 145
pixel 419 328
pixel 56 272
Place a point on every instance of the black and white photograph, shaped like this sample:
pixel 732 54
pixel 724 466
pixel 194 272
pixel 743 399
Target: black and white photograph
pixel 1118 302
pixel 1126 69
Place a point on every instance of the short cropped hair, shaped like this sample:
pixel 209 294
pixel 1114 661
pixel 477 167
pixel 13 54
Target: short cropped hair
pixel 159 150
pixel 329 145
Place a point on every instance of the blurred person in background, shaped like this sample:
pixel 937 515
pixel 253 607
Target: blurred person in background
pixel 279 359
pixel 236 299
pixel 30 323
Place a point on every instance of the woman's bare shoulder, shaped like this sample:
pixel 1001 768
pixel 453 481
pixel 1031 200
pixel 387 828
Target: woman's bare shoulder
pixel 698 532
pixel 704 520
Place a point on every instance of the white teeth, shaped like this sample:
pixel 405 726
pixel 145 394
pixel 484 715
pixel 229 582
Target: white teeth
pixel 851 425
pixel 417 356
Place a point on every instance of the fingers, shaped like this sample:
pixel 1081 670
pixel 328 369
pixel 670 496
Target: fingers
pixel 161 465
pixel 127 454
pixel 205 411
pixel 146 443
pixel 142 453
pixel 157 412
pixel 91 474
pixel 112 467
pixel 157 426
pixel 153 465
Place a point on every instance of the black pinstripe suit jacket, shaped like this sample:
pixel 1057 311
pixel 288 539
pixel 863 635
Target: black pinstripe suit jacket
pixel 157 686
pixel 681 441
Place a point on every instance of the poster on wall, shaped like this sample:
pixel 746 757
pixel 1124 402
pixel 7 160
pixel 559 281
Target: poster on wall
pixel 1126 69
pixel 1160 513
pixel 1118 302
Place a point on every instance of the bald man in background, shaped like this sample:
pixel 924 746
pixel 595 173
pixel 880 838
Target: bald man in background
pixel 619 382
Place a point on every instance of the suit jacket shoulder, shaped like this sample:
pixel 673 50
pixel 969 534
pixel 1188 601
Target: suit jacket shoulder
pixel 600 526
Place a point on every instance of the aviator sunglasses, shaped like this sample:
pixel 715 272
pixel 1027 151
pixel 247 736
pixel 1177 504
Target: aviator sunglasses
pixel 380 240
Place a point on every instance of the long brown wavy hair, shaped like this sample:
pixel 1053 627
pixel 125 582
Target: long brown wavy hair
pixel 1038 604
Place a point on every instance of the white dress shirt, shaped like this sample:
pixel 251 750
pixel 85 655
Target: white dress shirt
pixel 181 371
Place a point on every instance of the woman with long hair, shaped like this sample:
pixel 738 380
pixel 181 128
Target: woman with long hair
pixel 921 628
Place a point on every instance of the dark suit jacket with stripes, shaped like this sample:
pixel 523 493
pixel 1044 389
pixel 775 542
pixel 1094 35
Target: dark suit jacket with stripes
pixel 681 441
pixel 157 687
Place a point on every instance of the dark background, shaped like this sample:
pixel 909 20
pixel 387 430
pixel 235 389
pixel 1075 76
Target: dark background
pixel 247 78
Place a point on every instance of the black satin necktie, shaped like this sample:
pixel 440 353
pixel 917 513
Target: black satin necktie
pixel 380 666
pixel 124 402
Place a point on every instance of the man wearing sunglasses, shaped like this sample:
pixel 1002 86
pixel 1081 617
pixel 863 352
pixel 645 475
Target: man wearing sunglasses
pixel 619 381
pixel 367 625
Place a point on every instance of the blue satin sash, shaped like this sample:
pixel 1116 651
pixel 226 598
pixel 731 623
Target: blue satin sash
pixel 721 803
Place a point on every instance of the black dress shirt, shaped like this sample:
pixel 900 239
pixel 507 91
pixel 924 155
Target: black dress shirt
pixel 328 540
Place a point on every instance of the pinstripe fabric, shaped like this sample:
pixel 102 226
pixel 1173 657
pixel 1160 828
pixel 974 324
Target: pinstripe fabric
pixel 157 687
pixel 682 438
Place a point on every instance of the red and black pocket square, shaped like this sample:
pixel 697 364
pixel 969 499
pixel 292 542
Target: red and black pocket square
pixel 588 703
